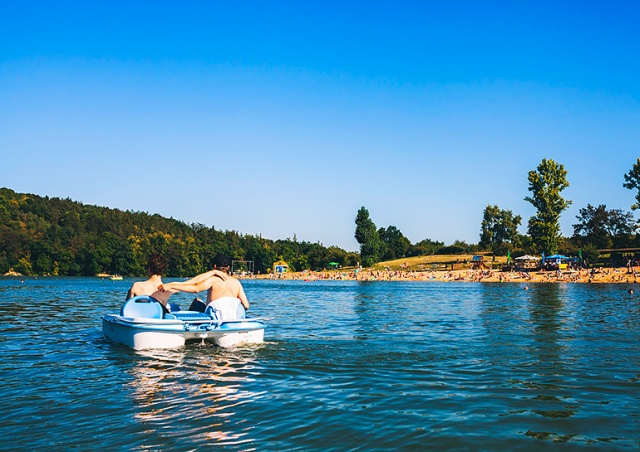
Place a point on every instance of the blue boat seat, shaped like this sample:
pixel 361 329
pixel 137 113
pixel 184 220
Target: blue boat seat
pixel 143 306
pixel 189 316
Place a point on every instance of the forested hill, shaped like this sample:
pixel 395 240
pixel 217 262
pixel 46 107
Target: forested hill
pixel 53 236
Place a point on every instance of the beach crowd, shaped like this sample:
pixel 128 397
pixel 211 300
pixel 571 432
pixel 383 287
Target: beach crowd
pixel 593 275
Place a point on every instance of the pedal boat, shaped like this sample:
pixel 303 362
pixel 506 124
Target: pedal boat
pixel 143 323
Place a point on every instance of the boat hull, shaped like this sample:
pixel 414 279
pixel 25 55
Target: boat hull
pixel 143 333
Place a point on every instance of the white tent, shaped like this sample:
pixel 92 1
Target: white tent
pixel 526 257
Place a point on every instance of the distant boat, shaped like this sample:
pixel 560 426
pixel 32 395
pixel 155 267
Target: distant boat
pixel 116 278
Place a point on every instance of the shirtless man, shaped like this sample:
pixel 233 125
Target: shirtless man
pixel 156 267
pixel 217 286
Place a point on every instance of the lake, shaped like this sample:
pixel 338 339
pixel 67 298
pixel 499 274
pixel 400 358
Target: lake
pixel 344 366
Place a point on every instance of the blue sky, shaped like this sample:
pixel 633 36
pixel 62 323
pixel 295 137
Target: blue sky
pixel 283 118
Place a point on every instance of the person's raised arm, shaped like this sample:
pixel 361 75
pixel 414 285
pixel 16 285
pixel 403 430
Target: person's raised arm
pixel 186 286
pixel 203 276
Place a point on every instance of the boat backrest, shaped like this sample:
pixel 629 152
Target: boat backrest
pixel 227 308
pixel 142 306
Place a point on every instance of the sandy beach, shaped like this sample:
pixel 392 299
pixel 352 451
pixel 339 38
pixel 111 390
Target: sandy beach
pixel 596 276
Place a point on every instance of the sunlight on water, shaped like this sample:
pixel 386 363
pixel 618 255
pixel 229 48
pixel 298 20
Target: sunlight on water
pixel 345 366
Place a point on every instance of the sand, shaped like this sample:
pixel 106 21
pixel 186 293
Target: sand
pixel 597 276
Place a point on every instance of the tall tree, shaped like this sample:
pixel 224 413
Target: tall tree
pixel 545 186
pixel 603 228
pixel 367 236
pixel 498 226
pixel 632 180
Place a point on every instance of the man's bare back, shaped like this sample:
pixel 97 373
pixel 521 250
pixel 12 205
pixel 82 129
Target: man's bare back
pixel 221 288
pixel 149 287
pixel 156 266
pixel 216 288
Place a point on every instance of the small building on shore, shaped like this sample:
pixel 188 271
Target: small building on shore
pixel 280 267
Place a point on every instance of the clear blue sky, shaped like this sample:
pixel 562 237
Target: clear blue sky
pixel 283 118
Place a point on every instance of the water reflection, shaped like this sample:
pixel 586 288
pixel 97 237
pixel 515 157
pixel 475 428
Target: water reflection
pixel 547 318
pixel 194 393
pixel 367 307
pixel 526 333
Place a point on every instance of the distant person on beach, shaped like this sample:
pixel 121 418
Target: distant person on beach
pixel 216 285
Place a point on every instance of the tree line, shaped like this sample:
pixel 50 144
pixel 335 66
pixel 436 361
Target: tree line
pixel 597 227
pixel 53 236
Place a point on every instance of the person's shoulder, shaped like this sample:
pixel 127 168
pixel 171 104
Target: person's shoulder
pixel 235 284
pixel 137 284
pixel 140 286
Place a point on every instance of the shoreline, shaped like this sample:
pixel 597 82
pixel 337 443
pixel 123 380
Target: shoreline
pixel 619 275
pixel 600 276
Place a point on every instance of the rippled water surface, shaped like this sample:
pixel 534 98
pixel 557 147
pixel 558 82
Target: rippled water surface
pixel 345 366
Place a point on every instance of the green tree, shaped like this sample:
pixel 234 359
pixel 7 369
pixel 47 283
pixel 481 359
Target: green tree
pixel 335 254
pixel 425 247
pixel 395 243
pixel 457 247
pixel 545 186
pixel 41 235
pixel 499 227
pixel 590 254
pixel 632 180
pixel 317 255
pixel 367 236
pixel 286 250
pixel 603 227
pixel 261 254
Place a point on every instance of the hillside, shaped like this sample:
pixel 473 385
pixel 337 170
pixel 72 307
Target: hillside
pixel 53 236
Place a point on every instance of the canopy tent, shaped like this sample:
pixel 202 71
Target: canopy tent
pixel 333 264
pixel 527 257
pixel 557 256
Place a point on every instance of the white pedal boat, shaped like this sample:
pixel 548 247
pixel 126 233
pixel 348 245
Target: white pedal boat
pixel 143 323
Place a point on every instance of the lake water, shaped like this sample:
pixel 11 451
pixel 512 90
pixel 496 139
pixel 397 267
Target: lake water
pixel 345 366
